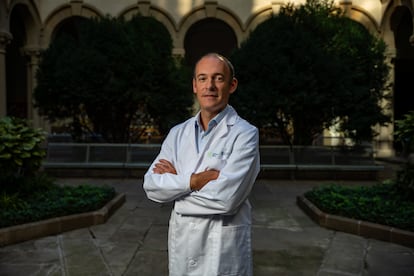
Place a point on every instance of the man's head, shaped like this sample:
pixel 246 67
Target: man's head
pixel 213 82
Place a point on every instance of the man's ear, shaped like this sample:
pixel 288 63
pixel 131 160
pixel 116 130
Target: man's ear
pixel 194 86
pixel 233 85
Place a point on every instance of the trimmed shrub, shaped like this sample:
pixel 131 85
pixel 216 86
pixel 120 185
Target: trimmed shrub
pixel 21 153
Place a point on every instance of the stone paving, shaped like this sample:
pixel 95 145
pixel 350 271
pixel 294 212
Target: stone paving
pixel 134 240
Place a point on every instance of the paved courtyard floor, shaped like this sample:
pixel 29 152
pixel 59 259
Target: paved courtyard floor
pixel 134 240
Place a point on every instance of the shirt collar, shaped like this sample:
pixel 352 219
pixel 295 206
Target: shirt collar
pixel 215 121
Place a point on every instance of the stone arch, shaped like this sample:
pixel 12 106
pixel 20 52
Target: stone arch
pixel 146 9
pixel 401 66
pixel 386 30
pixel 401 25
pixel 4 23
pixel 209 10
pixel 355 13
pixel 392 15
pixel 69 26
pixel 203 36
pixel 260 16
pixel 363 17
pixel 5 38
pixel 64 12
pixel 24 25
pixel 31 20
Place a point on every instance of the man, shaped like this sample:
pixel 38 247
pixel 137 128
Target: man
pixel 208 165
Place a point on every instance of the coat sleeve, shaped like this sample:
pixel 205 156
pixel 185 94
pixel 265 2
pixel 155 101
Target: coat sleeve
pixel 166 187
pixel 227 193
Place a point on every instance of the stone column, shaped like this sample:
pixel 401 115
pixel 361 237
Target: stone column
pixel 384 141
pixel 178 55
pixel 5 39
pixel 33 56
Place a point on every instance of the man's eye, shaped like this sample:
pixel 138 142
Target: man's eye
pixel 201 79
pixel 219 78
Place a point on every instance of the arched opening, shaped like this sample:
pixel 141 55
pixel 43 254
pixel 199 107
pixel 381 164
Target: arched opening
pixel 208 35
pixel 69 26
pixel 16 70
pixel 402 26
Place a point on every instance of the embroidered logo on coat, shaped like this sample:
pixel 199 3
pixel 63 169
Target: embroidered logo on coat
pixel 219 155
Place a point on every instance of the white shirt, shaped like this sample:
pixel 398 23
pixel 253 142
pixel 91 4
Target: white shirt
pixel 203 135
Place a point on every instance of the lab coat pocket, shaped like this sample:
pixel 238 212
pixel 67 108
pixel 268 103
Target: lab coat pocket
pixel 215 164
pixel 216 160
pixel 235 251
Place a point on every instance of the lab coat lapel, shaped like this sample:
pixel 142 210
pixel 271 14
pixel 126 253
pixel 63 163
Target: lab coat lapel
pixel 223 127
pixel 190 139
pixel 192 153
pixel 221 131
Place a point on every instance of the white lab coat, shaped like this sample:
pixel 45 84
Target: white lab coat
pixel 210 229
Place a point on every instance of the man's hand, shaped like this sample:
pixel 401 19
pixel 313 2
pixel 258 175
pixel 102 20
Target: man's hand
pixel 199 180
pixel 164 166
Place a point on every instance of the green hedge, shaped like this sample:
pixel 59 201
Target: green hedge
pixel 55 201
pixel 382 203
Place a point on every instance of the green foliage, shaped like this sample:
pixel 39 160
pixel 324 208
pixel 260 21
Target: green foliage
pixel 405 180
pixel 404 132
pixel 111 70
pixel 38 197
pixel 21 152
pixel 52 202
pixel 382 203
pixel 11 201
pixel 308 68
pixel 25 185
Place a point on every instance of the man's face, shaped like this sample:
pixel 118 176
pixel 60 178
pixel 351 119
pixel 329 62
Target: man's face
pixel 213 84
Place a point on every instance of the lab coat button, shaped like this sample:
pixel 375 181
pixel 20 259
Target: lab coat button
pixel 192 262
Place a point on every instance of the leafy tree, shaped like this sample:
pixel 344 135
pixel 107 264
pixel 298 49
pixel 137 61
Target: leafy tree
pixel 111 70
pixel 308 68
pixel 404 132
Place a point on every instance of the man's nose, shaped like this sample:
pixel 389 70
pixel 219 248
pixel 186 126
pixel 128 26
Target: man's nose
pixel 211 84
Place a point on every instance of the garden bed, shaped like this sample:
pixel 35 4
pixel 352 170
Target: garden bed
pixel 380 211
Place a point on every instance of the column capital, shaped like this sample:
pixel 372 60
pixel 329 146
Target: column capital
pixel 5 38
pixel 33 54
pixel 411 40
pixel 31 51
